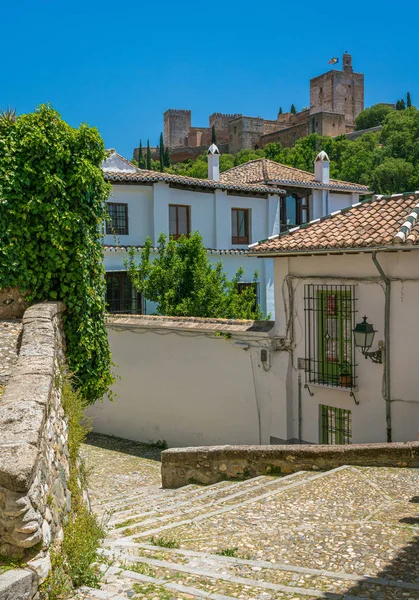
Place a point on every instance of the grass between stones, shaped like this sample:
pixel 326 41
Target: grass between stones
pixel 75 563
pixel 164 542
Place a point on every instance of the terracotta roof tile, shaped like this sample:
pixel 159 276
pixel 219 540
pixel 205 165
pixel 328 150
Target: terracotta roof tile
pixel 381 221
pixel 267 171
pixel 144 176
pixel 112 248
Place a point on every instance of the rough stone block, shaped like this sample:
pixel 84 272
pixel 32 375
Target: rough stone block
pixel 21 421
pixel 16 585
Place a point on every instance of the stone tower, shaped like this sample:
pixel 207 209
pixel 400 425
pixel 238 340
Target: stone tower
pixel 177 124
pixel 339 93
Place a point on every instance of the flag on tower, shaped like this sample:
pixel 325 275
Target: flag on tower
pixel 333 60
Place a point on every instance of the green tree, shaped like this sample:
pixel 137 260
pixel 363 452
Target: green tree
pixel 280 110
pixel 52 209
pixel 148 156
pixel 392 175
pixel 161 153
pixel 166 158
pixel 141 161
pixel 400 135
pixel 408 100
pixel 182 281
pixel 293 110
pixel 372 116
pixel 213 136
pixel 400 104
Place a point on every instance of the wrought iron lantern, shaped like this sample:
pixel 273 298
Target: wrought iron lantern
pixel 364 336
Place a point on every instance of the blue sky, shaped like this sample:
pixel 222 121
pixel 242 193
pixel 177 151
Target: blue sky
pixel 119 66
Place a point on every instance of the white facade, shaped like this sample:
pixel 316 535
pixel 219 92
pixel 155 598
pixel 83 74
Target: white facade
pixel 210 210
pixel 369 422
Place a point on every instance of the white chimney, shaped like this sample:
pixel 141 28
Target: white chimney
pixel 322 168
pixel 213 163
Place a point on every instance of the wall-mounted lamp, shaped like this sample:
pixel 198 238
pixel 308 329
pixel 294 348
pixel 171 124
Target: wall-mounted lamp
pixel 364 336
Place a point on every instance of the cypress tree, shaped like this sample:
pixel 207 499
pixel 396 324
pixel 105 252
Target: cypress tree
pixel 148 157
pixel 408 100
pixel 161 153
pixel 141 161
pixel 293 110
pixel 280 110
pixel 166 157
pixel 213 136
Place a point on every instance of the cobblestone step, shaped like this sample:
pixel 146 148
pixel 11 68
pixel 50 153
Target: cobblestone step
pixel 206 514
pixel 182 496
pixel 260 575
pixel 197 506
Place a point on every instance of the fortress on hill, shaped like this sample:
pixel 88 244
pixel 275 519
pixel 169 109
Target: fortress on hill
pixel 336 99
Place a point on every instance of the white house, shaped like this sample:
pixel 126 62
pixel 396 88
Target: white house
pixel 230 210
pixel 329 274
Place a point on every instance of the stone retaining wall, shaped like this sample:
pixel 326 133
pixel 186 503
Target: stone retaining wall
pixel 210 464
pixel 34 459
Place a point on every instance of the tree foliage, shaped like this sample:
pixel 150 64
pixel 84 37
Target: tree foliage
pixel 52 207
pixel 293 110
pixel 213 136
pixel 141 160
pixel 373 116
pixel 182 281
pixel 148 156
pixel 161 153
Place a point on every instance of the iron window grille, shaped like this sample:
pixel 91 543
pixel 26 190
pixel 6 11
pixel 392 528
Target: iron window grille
pixel 121 296
pixel 336 425
pixel 329 349
pixel 118 219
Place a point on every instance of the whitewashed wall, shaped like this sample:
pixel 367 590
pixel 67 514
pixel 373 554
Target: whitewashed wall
pixel 189 389
pixel 148 215
pixel 368 419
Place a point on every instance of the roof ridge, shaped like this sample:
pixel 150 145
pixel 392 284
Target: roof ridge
pixel 408 225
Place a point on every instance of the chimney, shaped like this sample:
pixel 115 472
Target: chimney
pixel 213 163
pixel 322 168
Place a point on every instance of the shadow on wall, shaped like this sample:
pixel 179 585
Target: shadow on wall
pixel 402 570
pixel 116 444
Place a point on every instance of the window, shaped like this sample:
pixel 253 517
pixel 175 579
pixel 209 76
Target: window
pixel 335 425
pixel 294 211
pixel 118 219
pixel 242 286
pixel 240 226
pixel 121 296
pixel 329 320
pixel 179 220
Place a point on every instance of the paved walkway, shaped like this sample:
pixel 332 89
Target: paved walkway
pixel 9 336
pixel 349 533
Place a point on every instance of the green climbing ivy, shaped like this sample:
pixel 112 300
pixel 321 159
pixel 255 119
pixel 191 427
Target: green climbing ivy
pixel 52 207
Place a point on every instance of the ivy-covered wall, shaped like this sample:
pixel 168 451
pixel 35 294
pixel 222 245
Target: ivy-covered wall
pixel 52 206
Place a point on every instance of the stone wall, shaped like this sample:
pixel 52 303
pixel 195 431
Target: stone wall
pixel 210 464
pixel 34 459
pixel 12 304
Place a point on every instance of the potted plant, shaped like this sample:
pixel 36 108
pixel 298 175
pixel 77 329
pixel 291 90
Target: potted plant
pixel 345 374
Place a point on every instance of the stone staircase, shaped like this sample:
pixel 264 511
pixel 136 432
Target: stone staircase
pixel 306 535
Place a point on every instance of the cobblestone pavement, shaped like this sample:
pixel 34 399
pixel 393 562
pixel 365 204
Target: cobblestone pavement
pixel 350 533
pixel 9 336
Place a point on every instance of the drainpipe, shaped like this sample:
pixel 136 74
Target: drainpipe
pixel 387 395
pixel 300 414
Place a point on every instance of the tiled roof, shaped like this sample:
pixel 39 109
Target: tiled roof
pixel 266 171
pixel 144 176
pixel 383 221
pixel 110 248
pixel 190 324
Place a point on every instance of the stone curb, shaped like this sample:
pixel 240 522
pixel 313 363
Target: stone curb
pixel 210 464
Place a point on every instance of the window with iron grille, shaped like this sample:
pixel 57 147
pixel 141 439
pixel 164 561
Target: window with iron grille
pixel 329 320
pixel 335 425
pixel 242 286
pixel 121 296
pixel 118 218
pixel 240 221
pixel 179 220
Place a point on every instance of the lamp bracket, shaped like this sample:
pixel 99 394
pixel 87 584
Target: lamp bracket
pixel 353 396
pixel 309 390
pixel 376 356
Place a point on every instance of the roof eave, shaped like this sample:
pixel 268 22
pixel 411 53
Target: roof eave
pixel 319 186
pixel 357 250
